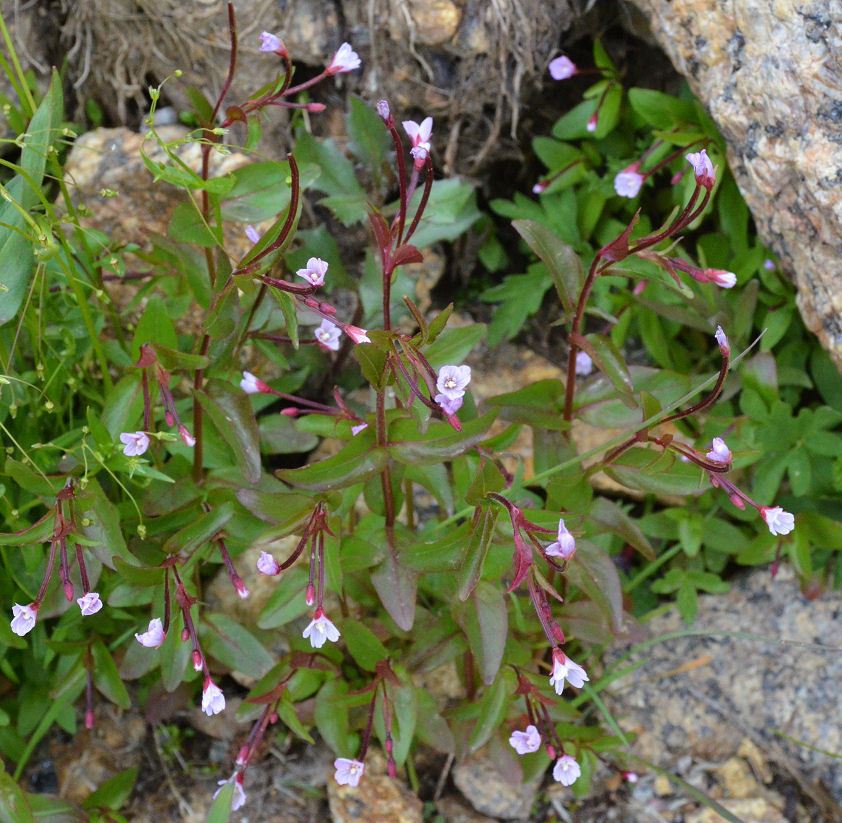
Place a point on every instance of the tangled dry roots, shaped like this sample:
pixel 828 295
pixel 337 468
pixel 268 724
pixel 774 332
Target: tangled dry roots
pixel 466 62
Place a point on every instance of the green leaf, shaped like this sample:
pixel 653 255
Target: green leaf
pixel 608 514
pixel 492 709
pixel 539 405
pixel 262 190
pixel 799 471
pixel 561 261
pixel 485 622
pixel 114 792
pixel 331 720
pixel 453 345
pixel 155 325
pixel 225 639
pixel 363 645
pixel 232 414
pixel 202 529
pixel 372 362
pixel 220 811
pixel 396 586
pixel 646 471
pixel 663 111
pixel 56 810
pixel 106 677
pixel 16 253
pixel 594 572
pixel 286 602
pixel 172 359
pixel 608 359
pixel 187 225
pixel 370 140
pixel 357 461
pixel 439 443
pixel 14 807
pixel 477 550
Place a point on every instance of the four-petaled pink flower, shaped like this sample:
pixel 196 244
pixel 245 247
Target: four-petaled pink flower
pixel 134 443
pixel 702 168
pixel 154 636
pixel 526 742
pixel 315 272
pixel 722 340
pixel 564 547
pixel 566 770
pixel 327 335
pixel 562 67
pixel 723 279
pixel 719 452
pixel 23 621
pixel 320 629
pixel 453 380
pixel 89 603
pixel 419 134
pixel 565 669
pixel 252 385
pixel 357 334
pixel 238 799
pixel 345 59
pixel 213 700
pixel 252 233
pixel 348 772
pixel 627 183
pixel 271 42
pixel 584 364
pixel 778 520
pixel 267 564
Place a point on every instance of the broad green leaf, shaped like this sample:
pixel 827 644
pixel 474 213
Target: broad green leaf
pixel 332 722
pixel 452 346
pixel 370 140
pixel 608 514
pixel 441 442
pixel 286 603
pixel 200 530
pixel 114 792
pixel 439 555
pixel 106 677
pixel 539 404
pixel 262 190
pixel 155 325
pixel 396 586
pixel 14 807
pixel 16 252
pixel 362 644
pixel 172 359
pixel 608 359
pixel 593 571
pixel 561 261
pixel 492 709
pixel 220 811
pixel 644 470
pixel 187 225
pixel 484 619
pixel 663 111
pixel 225 639
pixel 477 550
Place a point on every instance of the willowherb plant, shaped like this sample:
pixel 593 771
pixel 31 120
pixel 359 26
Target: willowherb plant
pixel 402 594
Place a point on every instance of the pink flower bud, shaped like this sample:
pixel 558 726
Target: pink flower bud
pixel 540 187
pixel 591 124
pixel 357 334
pixel 198 663
pixel 242 591
pixel 89 718
pixel 68 591
pixel 185 635
pixel 273 718
pixel 169 418
pixel 630 777
pixel 382 108
pixel 702 168
pixel 290 411
pixel 272 43
pixel 242 756
pixel 550 750
pixel 185 435
pixel 723 279
pixel 251 385
pixel 315 108
pixel 722 340
pixel 737 501
pixel 310 594
pixel 561 68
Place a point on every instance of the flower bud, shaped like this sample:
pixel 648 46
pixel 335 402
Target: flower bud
pixel 68 591
pixel 198 663
pixel 310 595
pixel 382 107
pixel 89 719
pixel 315 108
pixel 185 635
pixel 737 501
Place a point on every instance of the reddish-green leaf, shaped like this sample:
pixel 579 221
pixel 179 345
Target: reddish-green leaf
pixel 357 461
pixel 477 549
pixel 484 619
pixel 396 586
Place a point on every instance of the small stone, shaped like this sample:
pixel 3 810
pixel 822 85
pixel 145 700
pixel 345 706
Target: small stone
pixel 663 787
pixel 436 21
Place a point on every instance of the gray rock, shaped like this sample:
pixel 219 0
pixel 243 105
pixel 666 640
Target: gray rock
pixel 770 73
pixel 759 660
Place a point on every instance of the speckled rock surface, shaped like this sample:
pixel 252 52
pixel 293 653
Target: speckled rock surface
pixel 770 73
pixel 758 660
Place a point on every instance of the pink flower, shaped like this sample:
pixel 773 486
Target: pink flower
pixel 134 444
pixel 327 335
pixel 154 636
pixel 355 430
pixel 348 772
pixel 562 68
pixel 449 405
pixel 24 618
pixel 584 364
pixel 420 135
pixel 356 334
pixel 315 272
pixel 565 669
pixel 566 770
pixel 778 520
pixel 268 565
pixel 719 452
pixel 188 438
pixel 89 603
pixel 723 279
pixel 251 385
pixel 271 42
pixel 238 799
pixel 453 380
pixel 564 547
pixel 345 59
pixel 540 187
pixel 240 587
pixel 252 233
pixel 769 265
pixel 526 742
pixel 627 183
pixel 320 630
pixel 382 108
pixel 724 348
pixel 591 124
pixel 213 700
pixel 630 777
pixel 702 168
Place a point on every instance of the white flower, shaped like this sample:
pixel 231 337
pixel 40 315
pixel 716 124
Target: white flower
pixel 348 772
pixel 345 59
pixel 238 799
pixel 778 520
pixel 252 233
pixel 566 770
pixel 315 272
pixel 565 669
pixel 723 279
pixel 453 380
pixel 134 444
pixel 584 364
pixel 320 630
pixel 89 603
pixel 724 348
pixel 561 68
pixel 267 564
pixel 24 618
pixel 719 452
pixel 327 335
pixel 702 168
pixel 356 334
pixel 627 183
pixel 213 700
pixel 526 742
pixel 419 133
pixel 154 636
pixel 564 547
pixel 185 435
pixel 251 385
